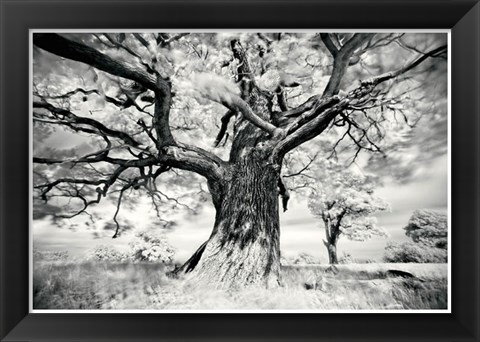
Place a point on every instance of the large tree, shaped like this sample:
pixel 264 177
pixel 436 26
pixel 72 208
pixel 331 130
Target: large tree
pixel 149 103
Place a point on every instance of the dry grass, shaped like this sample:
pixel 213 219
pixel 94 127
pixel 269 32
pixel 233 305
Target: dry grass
pixel 145 286
pixel 95 286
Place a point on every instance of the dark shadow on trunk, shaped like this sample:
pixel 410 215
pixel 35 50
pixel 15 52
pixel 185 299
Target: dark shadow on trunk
pixel 191 263
pixel 244 248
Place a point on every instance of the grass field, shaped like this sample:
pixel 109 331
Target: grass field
pixel 119 286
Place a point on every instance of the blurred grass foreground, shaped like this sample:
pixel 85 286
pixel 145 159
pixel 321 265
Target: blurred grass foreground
pixel 138 286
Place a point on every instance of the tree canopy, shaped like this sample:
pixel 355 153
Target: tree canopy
pixel 428 227
pixel 345 201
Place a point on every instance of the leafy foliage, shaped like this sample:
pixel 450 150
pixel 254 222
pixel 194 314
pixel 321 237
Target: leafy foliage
pixel 145 247
pixel 106 253
pixel 151 247
pixel 429 231
pixel 428 227
pixel 344 200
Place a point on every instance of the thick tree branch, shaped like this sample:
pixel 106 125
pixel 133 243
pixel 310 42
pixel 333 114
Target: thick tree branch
pixel 194 159
pixel 161 116
pixel 329 44
pixel 63 47
pixel 142 40
pixel 223 129
pixel 167 41
pixel 319 121
pixel 310 124
pixel 318 106
pixel 236 104
pixel 281 98
pixel 283 119
pixel 341 61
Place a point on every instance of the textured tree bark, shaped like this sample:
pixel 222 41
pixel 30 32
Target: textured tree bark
pixel 244 248
pixel 332 254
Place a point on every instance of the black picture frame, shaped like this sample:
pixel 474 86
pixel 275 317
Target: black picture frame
pixel 17 17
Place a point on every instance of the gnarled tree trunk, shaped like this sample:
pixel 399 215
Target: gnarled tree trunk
pixel 244 248
pixel 332 233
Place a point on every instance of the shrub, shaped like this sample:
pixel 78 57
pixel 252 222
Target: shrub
pixel 107 253
pixel 302 259
pixel 346 258
pixel 50 256
pixel 151 247
pixel 145 247
pixel 414 252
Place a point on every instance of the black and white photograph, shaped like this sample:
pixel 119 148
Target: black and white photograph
pixel 237 171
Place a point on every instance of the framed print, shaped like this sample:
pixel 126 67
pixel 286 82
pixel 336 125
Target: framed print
pixel 288 167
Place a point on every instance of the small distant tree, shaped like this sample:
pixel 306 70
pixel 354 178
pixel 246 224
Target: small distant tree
pixel 345 202
pixel 429 231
